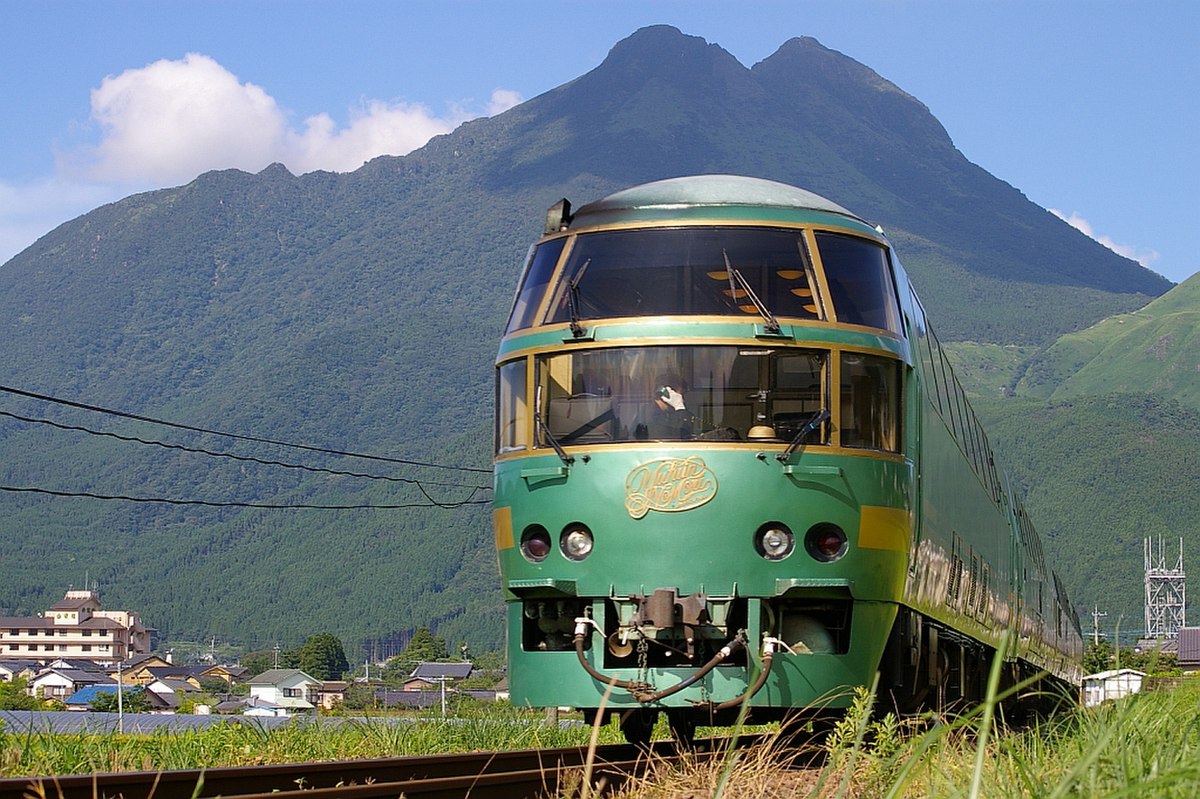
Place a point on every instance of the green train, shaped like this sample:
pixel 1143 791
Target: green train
pixel 735 472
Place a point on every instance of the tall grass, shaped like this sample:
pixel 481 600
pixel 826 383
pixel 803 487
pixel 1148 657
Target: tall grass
pixel 1144 747
pixel 238 744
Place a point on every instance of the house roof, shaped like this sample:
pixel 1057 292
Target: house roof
pixel 76 676
pixel 277 676
pixel 180 672
pixel 236 672
pixel 436 671
pixel 144 660
pixel 175 686
pixel 88 694
pixel 1189 644
pixel 1108 675
pixel 74 603
pixel 25 621
pixel 76 663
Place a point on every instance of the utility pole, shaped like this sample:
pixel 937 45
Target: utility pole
pixel 1096 617
pixel 276 654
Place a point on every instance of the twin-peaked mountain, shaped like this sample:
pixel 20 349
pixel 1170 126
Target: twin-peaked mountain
pixel 360 312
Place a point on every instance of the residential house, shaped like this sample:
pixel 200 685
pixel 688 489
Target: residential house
pixel 75 627
pixel 289 689
pixel 332 693
pixel 15 669
pixel 60 684
pixel 82 699
pixel 136 670
pixel 173 691
pixel 1188 643
pixel 230 674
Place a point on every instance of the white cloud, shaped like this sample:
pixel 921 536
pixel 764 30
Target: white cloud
pixel 1144 257
pixel 171 120
pixel 28 211
pixel 502 100
pixel 165 123
pixel 381 129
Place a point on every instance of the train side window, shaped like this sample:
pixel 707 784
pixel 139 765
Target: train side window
pixel 859 275
pixel 539 268
pixel 512 416
pixel 870 402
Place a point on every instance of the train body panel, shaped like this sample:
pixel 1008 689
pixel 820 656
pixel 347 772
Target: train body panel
pixel 734 467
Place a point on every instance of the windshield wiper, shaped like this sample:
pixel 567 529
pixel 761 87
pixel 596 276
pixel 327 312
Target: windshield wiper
pixel 812 424
pixel 573 301
pixel 545 431
pixel 772 325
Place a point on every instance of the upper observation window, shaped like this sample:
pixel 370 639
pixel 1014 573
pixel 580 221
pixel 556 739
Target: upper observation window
pixel 686 271
pixel 860 281
pixel 713 393
pixel 539 268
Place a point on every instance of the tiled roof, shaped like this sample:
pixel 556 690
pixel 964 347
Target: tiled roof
pixel 74 603
pixel 88 694
pixel 78 676
pixel 276 676
pixel 1188 642
pixel 453 671
pixel 33 622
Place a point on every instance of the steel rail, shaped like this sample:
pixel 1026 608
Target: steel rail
pixel 522 773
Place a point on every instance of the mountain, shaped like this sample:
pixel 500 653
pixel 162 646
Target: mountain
pixel 1155 349
pixel 360 313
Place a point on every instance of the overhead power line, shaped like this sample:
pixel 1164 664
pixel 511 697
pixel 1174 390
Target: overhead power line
pixel 263 505
pixel 245 458
pixel 257 439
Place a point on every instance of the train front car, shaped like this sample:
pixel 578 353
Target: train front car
pixel 702 493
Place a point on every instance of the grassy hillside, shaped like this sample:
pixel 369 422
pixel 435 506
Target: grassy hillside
pixel 1155 349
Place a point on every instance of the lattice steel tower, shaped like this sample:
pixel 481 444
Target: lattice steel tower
pixel 1166 594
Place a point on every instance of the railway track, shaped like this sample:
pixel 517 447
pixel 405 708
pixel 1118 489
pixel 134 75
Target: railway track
pixel 480 775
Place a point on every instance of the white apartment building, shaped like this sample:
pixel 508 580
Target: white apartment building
pixel 76 627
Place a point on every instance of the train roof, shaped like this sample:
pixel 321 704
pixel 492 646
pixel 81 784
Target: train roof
pixel 699 193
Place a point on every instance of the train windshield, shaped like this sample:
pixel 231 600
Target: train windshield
pixel 715 393
pixel 686 271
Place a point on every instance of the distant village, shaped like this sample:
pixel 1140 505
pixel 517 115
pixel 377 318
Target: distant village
pixel 78 656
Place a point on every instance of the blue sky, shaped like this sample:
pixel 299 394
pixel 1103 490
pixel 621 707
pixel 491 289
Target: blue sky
pixel 1088 107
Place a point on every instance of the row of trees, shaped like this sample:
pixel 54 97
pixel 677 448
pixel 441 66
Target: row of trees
pixel 322 656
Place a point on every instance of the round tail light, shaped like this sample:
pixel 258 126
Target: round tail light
pixel 826 542
pixel 535 543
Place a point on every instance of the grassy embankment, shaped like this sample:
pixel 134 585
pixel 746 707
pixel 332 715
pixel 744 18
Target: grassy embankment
pixel 1146 746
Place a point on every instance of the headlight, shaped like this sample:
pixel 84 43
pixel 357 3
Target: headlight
pixel 576 542
pixel 826 542
pixel 774 541
pixel 535 543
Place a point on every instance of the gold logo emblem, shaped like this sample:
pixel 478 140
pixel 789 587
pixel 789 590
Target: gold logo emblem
pixel 668 484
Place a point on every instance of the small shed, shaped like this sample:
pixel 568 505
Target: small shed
pixel 1111 685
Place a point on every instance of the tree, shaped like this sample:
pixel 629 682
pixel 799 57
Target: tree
pixel 1097 657
pixel 258 662
pixel 14 696
pixel 424 647
pixel 323 657
pixel 133 701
